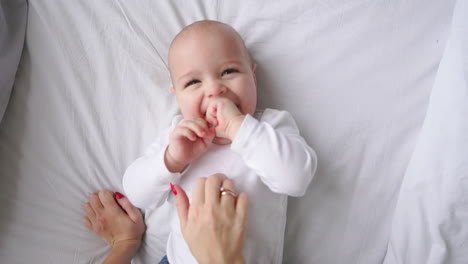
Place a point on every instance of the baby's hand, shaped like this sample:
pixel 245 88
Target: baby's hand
pixel 224 115
pixel 187 142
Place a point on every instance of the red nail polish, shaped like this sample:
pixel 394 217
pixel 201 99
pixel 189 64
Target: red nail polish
pixel 173 189
pixel 119 195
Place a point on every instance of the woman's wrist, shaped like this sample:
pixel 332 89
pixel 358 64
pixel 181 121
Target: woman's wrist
pixel 122 252
pixel 239 260
pixel 127 244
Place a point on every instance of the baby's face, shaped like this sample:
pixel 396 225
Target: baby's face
pixel 205 66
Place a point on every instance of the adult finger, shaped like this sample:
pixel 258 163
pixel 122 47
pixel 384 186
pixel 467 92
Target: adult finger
pixel 129 208
pixel 198 192
pixel 183 205
pixel 91 216
pixel 228 196
pixel 212 188
pixel 108 201
pixel 95 202
pixel 89 210
pixel 86 222
pixel 242 206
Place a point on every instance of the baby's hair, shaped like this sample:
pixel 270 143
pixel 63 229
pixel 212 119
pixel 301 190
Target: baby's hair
pixel 212 25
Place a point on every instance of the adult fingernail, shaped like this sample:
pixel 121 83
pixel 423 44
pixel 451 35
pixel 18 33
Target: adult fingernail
pixel 173 189
pixel 119 195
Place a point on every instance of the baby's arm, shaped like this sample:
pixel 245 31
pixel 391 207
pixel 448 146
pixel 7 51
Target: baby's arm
pixel 146 181
pixel 275 150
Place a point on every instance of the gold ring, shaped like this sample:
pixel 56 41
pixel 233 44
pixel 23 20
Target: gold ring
pixel 226 191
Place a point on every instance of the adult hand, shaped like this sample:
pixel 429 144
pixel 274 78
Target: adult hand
pixel 213 225
pixel 118 222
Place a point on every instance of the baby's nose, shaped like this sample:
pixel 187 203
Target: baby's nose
pixel 215 89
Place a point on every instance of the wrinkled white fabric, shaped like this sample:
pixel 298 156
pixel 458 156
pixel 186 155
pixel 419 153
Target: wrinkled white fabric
pixel 430 224
pixel 92 91
pixel 13 16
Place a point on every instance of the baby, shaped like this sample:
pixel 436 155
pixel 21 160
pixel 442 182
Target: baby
pixel 220 131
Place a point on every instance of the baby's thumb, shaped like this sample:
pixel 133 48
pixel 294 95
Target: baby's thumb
pixel 128 207
pixel 210 136
pixel 182 204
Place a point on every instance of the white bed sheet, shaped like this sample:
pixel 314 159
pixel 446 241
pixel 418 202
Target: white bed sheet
pixel 430 224
pixel 92 92
pixel 13 16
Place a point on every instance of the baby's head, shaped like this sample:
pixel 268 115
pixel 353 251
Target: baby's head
pixel 208 59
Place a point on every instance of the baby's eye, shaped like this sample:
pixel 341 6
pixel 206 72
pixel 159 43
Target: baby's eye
pixel 229 71
pixel 191 82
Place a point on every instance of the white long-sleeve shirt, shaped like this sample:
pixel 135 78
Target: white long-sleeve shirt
pixel 268 160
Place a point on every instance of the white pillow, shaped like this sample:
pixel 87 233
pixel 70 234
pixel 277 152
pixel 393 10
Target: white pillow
pixel 13 15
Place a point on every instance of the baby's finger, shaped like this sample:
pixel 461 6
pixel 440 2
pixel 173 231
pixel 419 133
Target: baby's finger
pixel 209 136
pixel 185 132
pixel 202 122
pixel 211 118
pixel 199 127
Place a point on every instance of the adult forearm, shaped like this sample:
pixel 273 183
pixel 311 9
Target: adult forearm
pixel 239 260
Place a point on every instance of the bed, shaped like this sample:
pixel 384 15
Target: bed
pixel 378 88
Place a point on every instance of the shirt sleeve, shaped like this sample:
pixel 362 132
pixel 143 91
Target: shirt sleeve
pixel 275 150
pixel 146 181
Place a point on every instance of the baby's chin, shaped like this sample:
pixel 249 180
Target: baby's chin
pixel 221 141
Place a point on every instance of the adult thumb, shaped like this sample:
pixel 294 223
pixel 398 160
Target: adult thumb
pixel 182 204
pixel 128 207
